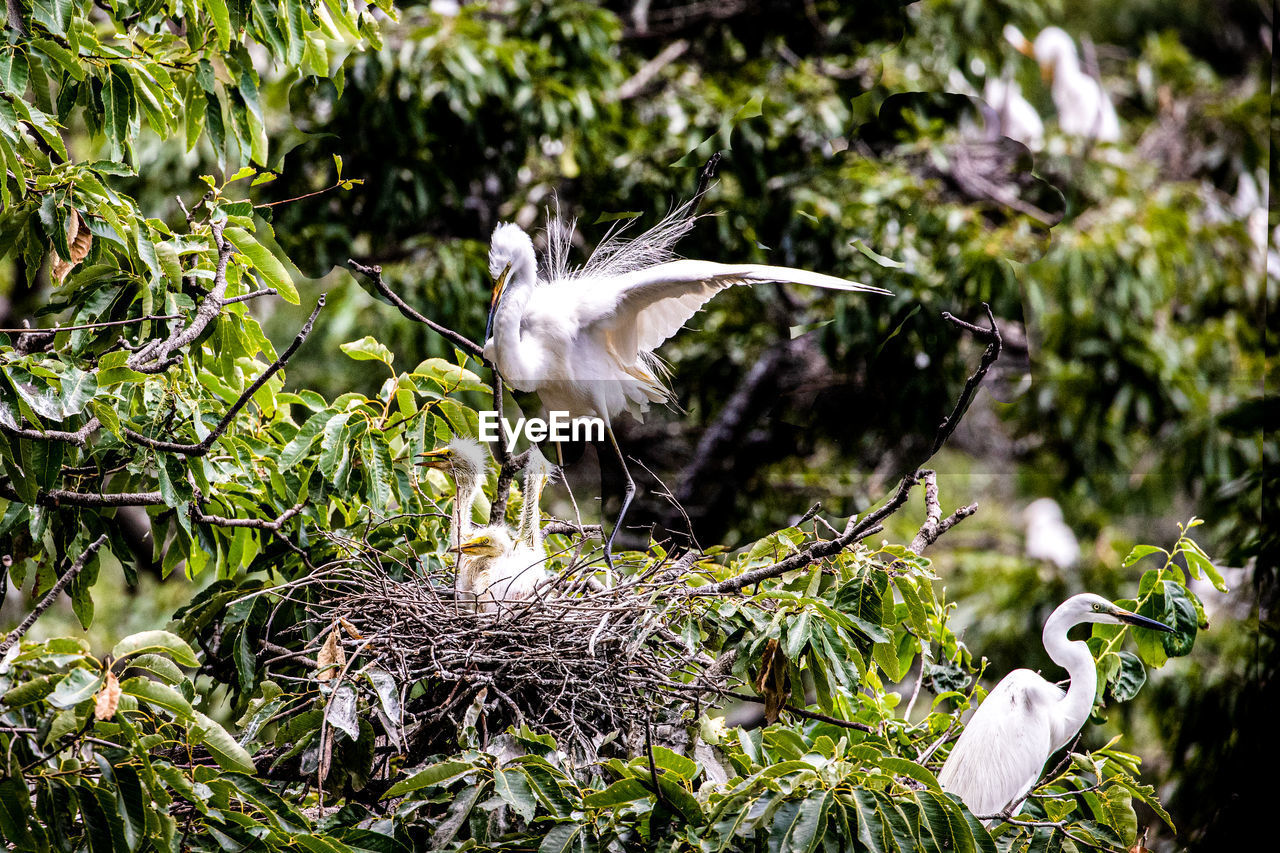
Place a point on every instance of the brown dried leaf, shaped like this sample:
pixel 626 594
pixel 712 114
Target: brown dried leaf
pixel 350 629
pixel 771 683
pixel 79 241
pixel 332 658
pixel 108 698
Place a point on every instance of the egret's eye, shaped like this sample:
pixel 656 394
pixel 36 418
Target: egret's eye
pixel 1098 607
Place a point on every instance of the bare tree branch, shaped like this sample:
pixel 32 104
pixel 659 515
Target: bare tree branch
pixel 76 437
pixel 60 497
pixel 156 356
pixel 856 530
pixel 934 524
pixel 203 447
pixel 85 556
pixel 375 275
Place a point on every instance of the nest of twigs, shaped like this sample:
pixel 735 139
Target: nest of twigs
pixel 583 662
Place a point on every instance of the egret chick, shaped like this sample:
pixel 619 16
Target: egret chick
pixel 1084 108
pixel 467 462
pixel 1025 719
pixel 584 338
pixel 481 552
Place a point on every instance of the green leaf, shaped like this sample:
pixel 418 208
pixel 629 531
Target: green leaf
pixel 512 786
pixel 14 73
pixel 158 695
pixel 368 349
pixel 78 685
pixel 560 838
pixel 16 819
pixel 802 829
pixel 1129 679
pixel 267 264
pixel 1140 551
pixel 78 388
pixel 156 641
pixel 436 774
pixel 217 10
pixel 119 104
pixel 623 791
pixel 221 745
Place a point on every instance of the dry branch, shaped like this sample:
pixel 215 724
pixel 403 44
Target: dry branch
pixel 375 275
pixel 80 562
pixel 203 447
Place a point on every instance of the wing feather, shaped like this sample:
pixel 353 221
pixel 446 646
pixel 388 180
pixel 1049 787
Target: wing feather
pixel 656 302
pixel 1003 748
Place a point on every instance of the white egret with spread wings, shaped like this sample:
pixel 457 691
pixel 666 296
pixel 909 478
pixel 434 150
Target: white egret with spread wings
pixel 584 338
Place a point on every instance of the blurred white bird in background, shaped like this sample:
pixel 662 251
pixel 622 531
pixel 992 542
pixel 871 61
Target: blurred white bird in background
pixel 1084 108
pixel 1014 115
pixel 1047 536
pixel 584 338
pixel 1025 719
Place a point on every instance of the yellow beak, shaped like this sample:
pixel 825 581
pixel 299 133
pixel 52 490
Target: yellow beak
pixel 498 287
pixel 439 458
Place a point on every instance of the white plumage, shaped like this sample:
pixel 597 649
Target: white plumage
pixel 1025 719
pixel 1015 117
pixel 1084 108
pixel 1048 536
pixel 584 338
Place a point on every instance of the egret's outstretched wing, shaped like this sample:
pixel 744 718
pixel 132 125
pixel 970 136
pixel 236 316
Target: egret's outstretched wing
pixel 640 310
pixel 1003 748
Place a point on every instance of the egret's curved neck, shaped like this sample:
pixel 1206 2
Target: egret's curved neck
pixel 1066 68
pixel 467 489
pixel 1073 656
pixel 510 312
pixel 530 531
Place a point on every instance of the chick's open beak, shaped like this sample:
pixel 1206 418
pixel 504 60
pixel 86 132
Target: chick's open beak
pixel 498 287
pixel 1142 621
pixel 434 458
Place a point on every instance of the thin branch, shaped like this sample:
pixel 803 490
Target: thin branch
pixel 67 497
pixel 76 437
pixel 245 297
pixel 156 356
pixel 103 325
pixel 856 530
pixel 568 528
pixel 375 275
pixel 639 81
pixel 203 447
pixel 16 634
pixel 935 525
pixel 808 715
pixel 198 514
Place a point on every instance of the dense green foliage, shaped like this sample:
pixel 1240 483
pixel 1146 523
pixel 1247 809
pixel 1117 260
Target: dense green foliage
pixel 297 134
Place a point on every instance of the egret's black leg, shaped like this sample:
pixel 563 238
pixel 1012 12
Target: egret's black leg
pixel 626 500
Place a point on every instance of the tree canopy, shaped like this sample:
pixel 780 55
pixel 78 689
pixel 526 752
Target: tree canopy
pixel 243 289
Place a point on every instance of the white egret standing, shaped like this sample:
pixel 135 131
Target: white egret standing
pixel 1015 117
pixel 1084 108
pixel 583 338
pixel 1025 719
